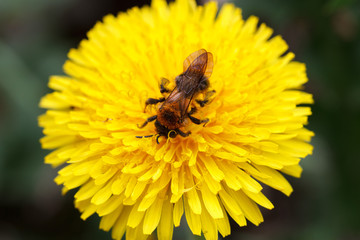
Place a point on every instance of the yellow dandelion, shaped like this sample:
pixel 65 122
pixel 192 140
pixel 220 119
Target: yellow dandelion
pixel 255 129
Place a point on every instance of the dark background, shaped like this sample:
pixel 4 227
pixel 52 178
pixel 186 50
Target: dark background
pixel 35 37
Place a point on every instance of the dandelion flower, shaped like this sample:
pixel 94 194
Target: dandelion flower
pixel 255 132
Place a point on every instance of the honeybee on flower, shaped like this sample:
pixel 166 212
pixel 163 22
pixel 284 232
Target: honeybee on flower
pixel 254 129
pixel 174 109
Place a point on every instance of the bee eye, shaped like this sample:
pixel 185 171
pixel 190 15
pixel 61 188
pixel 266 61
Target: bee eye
pixel 172 134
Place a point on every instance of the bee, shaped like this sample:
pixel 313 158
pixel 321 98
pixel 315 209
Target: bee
pixel 171 115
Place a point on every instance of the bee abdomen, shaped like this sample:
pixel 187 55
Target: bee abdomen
pixel 169 118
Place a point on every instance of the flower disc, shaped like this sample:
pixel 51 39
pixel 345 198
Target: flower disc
pixel 254 134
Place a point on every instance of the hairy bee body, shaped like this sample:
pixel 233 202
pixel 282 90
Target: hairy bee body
pixel 173 110
pixel 169 117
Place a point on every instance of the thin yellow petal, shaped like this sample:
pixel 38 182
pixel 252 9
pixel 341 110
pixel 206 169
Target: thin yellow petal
pixel 249 208
pixel 223 224
pixel 102 195
pixel 211 202
pixel 229 202
pixel 120 224
pixel 211 166
pixel 208 226
pixel 114 203
pixel 108 221
pixel 178 212
pixel 275 180
pixel 135 217
pixel 166 226
pixel 193 220
pixel 152 216
pixel 260 199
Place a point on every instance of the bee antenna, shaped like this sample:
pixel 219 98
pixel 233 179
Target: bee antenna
pixel 147 136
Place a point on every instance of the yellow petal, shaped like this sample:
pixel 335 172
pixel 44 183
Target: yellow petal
pixel 229 202
pixel 152 216
pixel 211 202
pixel 108 221
pixel 193 220
pixel 102 195
pixel 87 191
pixel 192 197
pixel 166 227
pixel 114 203
pixel 223 224
pixel 208 226
pixel 135 217
pixel 211 166
pixel 275 180
pixel 259 198
pixel 120 224
pixel 248 207
pixel 178 212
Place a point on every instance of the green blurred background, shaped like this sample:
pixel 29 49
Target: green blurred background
pixel 35 37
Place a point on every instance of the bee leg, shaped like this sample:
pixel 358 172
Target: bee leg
pixel 202 103
pixel 150 119
pixel 181 133
pixel 207 97
pixel 163 84
pixel 152 101
pixel 192 111
pixel 196 120
pixel 146 136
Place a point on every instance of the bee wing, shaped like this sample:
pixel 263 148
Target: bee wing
pixel 191 58
pixel 174 96
pixel 178 102
pixel 200 63
pixel 209 65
